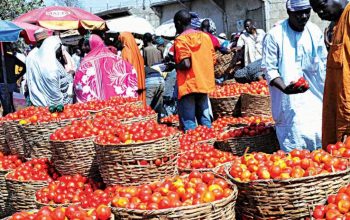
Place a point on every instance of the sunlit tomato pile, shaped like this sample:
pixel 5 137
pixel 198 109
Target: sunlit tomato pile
pixel 116 101
pixel 103 212
pixel 135 133
pixel 174 192
pixel 84 128
pixel 9 162
pixel 22 114
pixel 236 89
pixel 66 190
pixel 44 115
pixel 297 164
pixel 338 206
pixel 35 169
pixel 126 111
pixel 200 133
pixel 340 149
pixel 204 156
pixel 252 130
pixel 97 105
pixel 222 123
pixel 170 119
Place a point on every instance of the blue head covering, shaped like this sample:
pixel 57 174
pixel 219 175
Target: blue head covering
pixel 298 5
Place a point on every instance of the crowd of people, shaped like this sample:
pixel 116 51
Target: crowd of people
pixel 177 76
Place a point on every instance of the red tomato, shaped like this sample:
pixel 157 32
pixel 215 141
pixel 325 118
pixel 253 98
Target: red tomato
pixel 103 212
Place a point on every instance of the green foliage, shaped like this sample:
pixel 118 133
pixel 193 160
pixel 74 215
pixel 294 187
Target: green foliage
pixel 10 9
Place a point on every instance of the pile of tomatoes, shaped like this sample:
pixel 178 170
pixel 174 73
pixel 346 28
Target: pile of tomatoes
pixel 236 89
pixel 34 170
pixel 194 189
pixel 204 156
pixel 221 123
pixel 24 113
pixel 126 111
pixel 199 134
pixel 102 212
pixel 296 164
pixel 172 119
pixel 84 129
pixel 66 190
pixel 338 206
pixel 9 162
pixel 340 149
pixel 135 133
pixel 252 130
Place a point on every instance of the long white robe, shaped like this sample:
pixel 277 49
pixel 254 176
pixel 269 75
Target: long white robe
pixel 290 55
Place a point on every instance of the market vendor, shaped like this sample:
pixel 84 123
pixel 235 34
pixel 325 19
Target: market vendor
pixel 336 110
pixel 295 48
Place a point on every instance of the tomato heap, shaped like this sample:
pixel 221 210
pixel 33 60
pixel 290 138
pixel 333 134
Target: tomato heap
pixel 194 189
pixel 340 149
pixel 170 119
pixel 203 156
pixel 296 164
pixel 200 133
pixel 9 162
pixel 44 115
pixel 84 128
pixel 23 113
pixel 223 122
pixel 66 190
pixel 338 206
pixel 36 169
pixel 94 105
pixel 126 111
pixel 116 101
pixel 135 133
pixel 103 212
pixel 252 130
pixel 236 89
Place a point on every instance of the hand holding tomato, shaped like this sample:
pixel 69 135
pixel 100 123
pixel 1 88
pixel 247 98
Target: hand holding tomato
pixel 300 86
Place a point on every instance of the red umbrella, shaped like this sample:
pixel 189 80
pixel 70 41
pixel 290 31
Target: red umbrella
pixel 29 30
pixel 63 18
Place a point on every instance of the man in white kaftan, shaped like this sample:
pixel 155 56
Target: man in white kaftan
pixel 293 49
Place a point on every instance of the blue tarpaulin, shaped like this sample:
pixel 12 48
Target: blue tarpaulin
pixel 9 32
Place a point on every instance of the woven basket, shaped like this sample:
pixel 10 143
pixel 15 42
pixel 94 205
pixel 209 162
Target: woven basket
pixel 13 138
pixel 22 194
pixel 212 170
pixel 223 62
pixel 209 141
pixel 75 157
pixel 5 208
pixel 39 205
pixel 266 143
pixel 129 121
pixel 120 164
pixel 226 106
pixel 287 199
pixel 37 137
pixel 4 148
pixel 256 105
pixel 223 209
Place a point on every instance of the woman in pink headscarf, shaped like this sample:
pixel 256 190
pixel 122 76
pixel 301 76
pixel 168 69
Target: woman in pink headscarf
pixel 102 74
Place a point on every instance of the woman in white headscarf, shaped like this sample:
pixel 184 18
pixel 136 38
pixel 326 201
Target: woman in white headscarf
pixel 48 81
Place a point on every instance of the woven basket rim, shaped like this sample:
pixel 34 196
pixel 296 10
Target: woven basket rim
pixel 139 143
pixel 213 170
pixel 52 122
pixel 291 180
pixel 29 181
pixel 73 140
pixel 226 97
pixel 46 204
pixel 243 138
pixel 205 141
pixel 258 95
pixel 179 209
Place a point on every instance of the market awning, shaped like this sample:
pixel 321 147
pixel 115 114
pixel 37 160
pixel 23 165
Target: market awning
pixel 133 24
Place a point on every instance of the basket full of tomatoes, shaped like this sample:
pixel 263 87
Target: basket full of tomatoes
pixel 4 148
pixel 36 130
pixel 194 196
pixel 286 186
pixel 253 138
pixel 25 180
pixel 136 154
pixel 256 100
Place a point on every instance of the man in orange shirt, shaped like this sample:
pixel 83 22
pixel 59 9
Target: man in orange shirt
pixel 194 58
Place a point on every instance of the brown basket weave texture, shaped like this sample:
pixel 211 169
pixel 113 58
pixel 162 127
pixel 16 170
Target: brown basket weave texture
pixel 129 121
pixel 226 106
pixel 223 209
pixel 39 205
pixel 75 157
pixel 22 194
pixel 267 143
pixel 13 138
pixel 223 62
pixel 120 164
pixel 37 138
pixel 5 208
pixel 256 105
pixel 287 199
pixel 4 148
pixel 209 141
pixel 203 170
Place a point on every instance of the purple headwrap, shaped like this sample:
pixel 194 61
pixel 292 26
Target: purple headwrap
pixel 298 5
